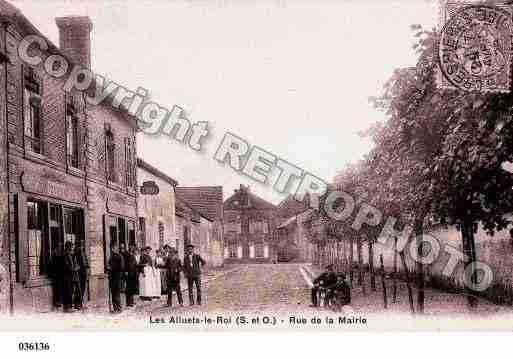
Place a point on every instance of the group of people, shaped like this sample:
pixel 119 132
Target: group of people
pixel 148 277
pixel 334 286
pixel 69 271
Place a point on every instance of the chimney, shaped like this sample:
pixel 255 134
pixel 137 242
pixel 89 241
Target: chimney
pixel 75 38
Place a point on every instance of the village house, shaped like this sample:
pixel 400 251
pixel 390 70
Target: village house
pixel 208 200
pixel 156 212
pixel 68 169
pixel 249 228
pixel 192 227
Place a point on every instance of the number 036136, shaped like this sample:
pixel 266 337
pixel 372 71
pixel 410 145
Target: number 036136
pixel 33 346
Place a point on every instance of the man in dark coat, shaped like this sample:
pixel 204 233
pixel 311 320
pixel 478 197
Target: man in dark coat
pixel 173 267
pixel 83 274
pixel 55 273
pixel 71 280
pixel 340 291
pixel 131 275
pixel 115 269
pixel 192 264
pixel 323 281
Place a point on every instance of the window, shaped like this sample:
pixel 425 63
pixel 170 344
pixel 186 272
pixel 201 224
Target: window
pixel 161 234
pixel 142 231
pixel 110 151
pixel 259 250
pixel 32 111
pixel 130 162
pixel 232 251
pixel 71 133
pixel 233 227
pixel 38 244
pixel 258 227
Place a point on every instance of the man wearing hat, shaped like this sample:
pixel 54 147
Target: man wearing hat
pixel 192 264
pixel 326 279
pixel 173 267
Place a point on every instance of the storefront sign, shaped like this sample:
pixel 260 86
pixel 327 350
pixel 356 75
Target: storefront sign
pixel 149 188
pixel 43 186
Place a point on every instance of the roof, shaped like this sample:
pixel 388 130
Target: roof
pixel 291 207
pixel 181 207
pixel 288 222
pixel 244 195
pixel 206 199
pixel 13 15
pixel 156 172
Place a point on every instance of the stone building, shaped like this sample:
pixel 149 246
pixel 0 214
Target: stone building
pixel 208 200
pixel 193 227
pixel 68 169
pixel 249 228
pixel 157 223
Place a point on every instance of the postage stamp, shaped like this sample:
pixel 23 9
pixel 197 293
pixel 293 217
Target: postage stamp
pixel 475 47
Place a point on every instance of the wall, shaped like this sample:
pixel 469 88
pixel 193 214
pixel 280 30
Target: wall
pixel 160 207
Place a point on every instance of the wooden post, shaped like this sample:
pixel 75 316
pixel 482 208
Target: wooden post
pixel 408 285
pixel 395 271
pixel 383 284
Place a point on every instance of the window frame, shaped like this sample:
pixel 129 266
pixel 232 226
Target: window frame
pixel 32 111
pixel 72 129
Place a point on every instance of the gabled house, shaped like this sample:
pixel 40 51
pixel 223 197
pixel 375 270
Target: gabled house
pixel 249 228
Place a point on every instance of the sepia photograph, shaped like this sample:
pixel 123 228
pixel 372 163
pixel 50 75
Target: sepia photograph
pixel 255 166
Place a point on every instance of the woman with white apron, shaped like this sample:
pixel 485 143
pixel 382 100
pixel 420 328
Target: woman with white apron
pixel 147 278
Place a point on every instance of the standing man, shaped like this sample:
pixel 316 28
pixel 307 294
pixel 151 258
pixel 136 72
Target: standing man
pixel 192 264
pixel 173 267
pixel 83 274
pixel 56 275
pixel 71 280
pixel 115 270
pixel 131 275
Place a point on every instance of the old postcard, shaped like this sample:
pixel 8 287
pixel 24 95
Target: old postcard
pixel 275 165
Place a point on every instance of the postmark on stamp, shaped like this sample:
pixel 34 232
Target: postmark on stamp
pixel 475 47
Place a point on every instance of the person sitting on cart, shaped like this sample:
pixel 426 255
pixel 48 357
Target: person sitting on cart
pixel 323 281
pixel 339 292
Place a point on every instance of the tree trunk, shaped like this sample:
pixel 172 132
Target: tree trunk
pixel 408 285
pixel 419 230
pixel 394 278
pixel 383 284
pixel 360 260
pixel 351 260
pixel 469 250
pixel 371 263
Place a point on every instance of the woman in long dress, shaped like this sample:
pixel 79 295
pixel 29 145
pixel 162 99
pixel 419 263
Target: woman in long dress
pixel 147 278
pixel 159 262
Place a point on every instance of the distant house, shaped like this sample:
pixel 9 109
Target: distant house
pixel 249 228
pixel 291 242
pixel 208 200
pixel 193 227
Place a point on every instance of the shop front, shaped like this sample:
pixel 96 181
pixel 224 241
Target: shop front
pixel 47 210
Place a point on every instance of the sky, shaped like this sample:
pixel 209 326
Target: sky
pixel 292 77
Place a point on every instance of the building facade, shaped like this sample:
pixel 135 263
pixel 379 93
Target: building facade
pixel 249 228
pixel 157 222
pixel 208 200
pixel 193 227
pixel 68 169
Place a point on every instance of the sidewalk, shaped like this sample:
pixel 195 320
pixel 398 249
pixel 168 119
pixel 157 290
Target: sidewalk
pixel 140 306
